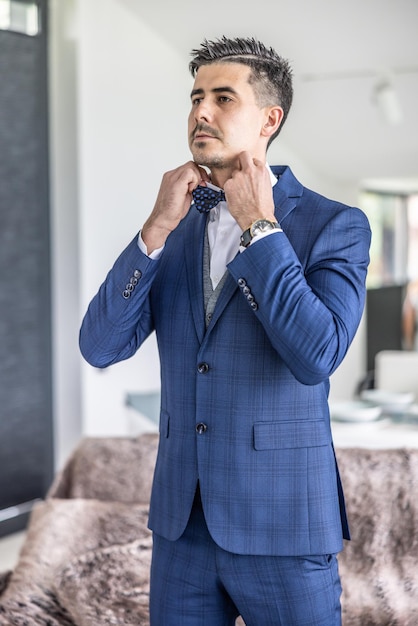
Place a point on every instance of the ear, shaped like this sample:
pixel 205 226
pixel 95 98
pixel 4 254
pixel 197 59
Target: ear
pixel 273 119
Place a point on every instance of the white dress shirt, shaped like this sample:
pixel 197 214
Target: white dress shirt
pixel 224 237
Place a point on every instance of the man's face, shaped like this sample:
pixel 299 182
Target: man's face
pixel 225 118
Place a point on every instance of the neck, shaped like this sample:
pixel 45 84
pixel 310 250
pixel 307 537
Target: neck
pixel 219 175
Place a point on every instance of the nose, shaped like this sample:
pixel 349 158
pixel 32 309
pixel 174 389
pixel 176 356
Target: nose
pixel 202 111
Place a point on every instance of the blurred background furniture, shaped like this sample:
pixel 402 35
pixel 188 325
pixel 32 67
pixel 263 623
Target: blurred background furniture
pixel 86 557
pixel 397 370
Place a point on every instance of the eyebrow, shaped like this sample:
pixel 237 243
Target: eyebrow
pixel 226 89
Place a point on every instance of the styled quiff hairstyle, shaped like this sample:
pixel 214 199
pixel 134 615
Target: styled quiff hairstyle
pixel 271 74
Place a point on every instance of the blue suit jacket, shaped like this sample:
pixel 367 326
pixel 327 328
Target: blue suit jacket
pixel 257 378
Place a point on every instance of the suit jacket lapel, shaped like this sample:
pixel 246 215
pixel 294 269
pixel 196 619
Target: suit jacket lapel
pixel 286 192
pixel 193 253
pixel 226 294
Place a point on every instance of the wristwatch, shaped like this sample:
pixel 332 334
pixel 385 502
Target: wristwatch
pixel 259 226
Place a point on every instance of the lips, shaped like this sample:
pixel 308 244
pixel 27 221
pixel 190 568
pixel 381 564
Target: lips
pixel 201 134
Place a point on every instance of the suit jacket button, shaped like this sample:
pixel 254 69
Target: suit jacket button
pixel 137 274
pixel 126 294
pixel 242 282
pixel 201 428
pixel 203 368
pixel 254 306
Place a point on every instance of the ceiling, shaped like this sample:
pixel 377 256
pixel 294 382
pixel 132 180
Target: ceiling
pixel 339 50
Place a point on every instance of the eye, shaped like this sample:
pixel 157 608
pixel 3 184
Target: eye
pixel 224 99
pixel 196 101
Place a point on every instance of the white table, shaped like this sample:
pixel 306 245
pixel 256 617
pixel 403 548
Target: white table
pixel 383 433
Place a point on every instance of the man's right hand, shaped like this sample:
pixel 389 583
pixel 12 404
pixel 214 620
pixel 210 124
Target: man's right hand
pixel 172 204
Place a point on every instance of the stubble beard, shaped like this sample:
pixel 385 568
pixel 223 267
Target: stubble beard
pixel 212 161
pixel 202 153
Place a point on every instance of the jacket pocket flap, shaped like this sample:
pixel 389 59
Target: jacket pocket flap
pixel 290 434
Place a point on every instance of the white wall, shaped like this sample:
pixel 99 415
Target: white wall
pixel 119 100
pixel 133 91
pixel 64 226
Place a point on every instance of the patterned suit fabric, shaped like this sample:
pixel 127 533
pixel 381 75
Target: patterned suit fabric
pixel 257 378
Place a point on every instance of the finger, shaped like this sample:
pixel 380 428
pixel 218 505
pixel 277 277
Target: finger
pixel 190 172
pixel 199 181
pixel 201 172
pixel 192 186
pixel 244 160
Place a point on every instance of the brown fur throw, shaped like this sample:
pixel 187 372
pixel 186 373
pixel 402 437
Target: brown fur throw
pixel 86 558
pixel 4 580
pixel 99 501
pixel 65 547
pixel 379 566
pixel 118 597
pixel 109 468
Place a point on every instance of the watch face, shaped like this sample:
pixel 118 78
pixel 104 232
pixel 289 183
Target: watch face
pixel 261 226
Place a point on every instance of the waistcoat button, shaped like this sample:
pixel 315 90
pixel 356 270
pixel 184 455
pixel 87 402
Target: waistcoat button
pixel 201 428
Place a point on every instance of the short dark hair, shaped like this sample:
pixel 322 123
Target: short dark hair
pixel 271 74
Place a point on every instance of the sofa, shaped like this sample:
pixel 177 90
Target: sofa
pixel 86 556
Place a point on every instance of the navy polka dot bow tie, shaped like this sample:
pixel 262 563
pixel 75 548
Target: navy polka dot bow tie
pixel 206 198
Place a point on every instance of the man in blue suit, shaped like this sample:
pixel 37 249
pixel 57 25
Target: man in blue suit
pixel 255 303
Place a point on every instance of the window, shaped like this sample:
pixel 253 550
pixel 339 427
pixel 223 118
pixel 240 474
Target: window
pixel 394 249
pixel 412 208
pixel 393 269
pixel 20 16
